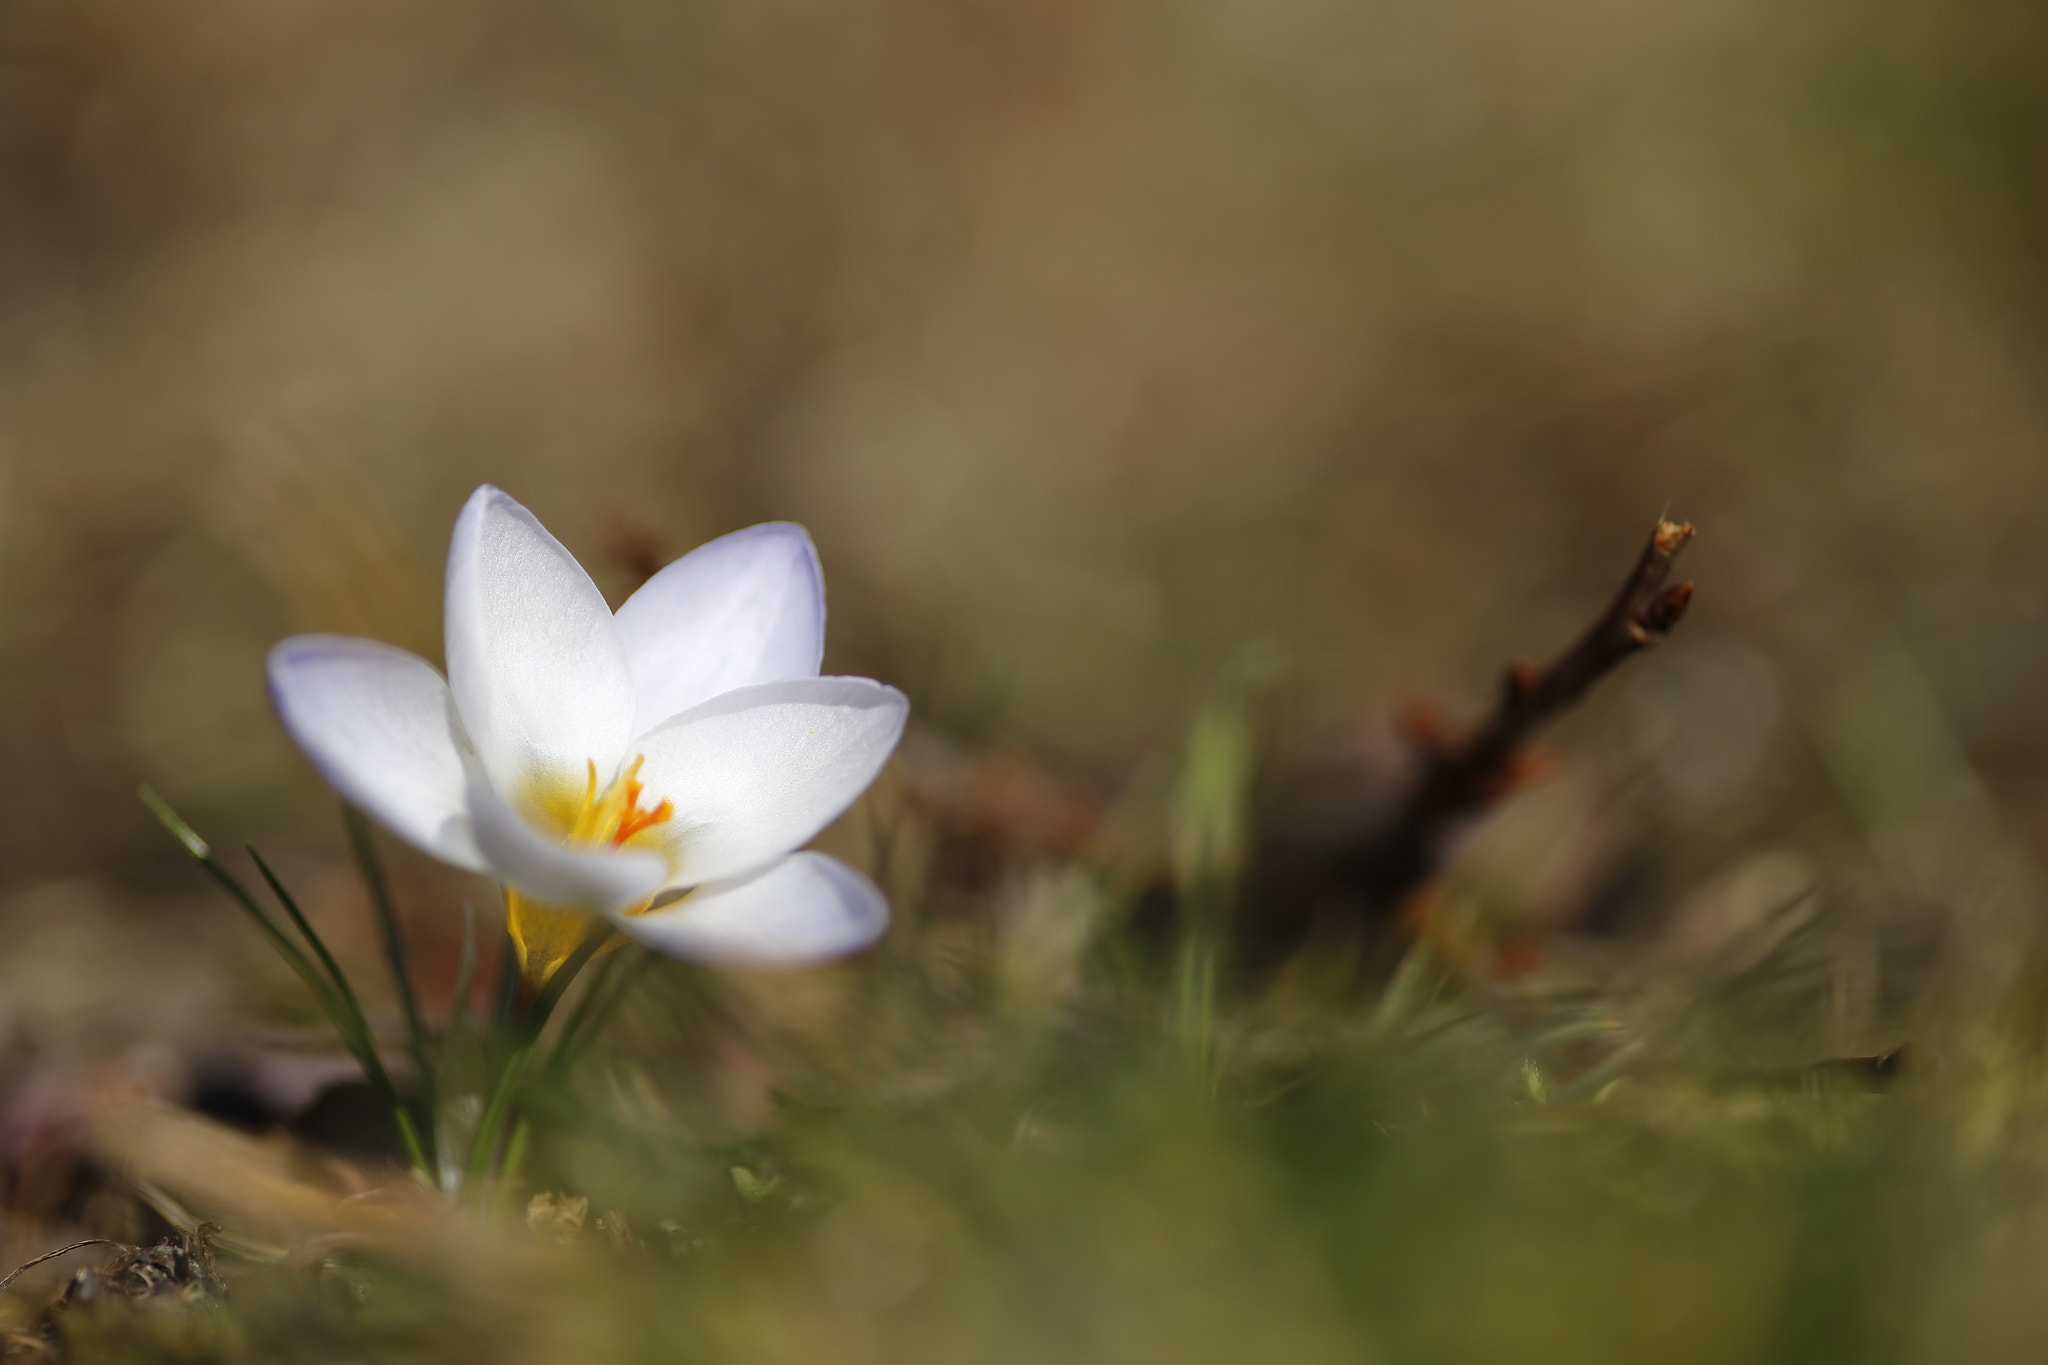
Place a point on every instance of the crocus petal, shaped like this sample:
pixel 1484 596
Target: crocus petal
pixel 805 908
pixel 746 608
pixel 599 879
pixel 537 668
pixel 755 773
pixel 377 723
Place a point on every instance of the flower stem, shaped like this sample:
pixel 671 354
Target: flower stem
pixel 526 1033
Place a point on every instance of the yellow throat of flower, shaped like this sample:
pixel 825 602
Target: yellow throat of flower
pixel 545 935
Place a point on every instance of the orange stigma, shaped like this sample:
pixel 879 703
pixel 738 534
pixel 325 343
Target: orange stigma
pixel 545 935
pixel 615 818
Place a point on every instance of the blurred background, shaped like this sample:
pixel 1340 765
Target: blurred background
pixel 1101 347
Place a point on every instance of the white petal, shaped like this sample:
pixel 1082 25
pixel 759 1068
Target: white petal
pixel 755 773
pixel 377 723
pixel 803 909
pixel 746 608
pixel 600 879
pixel 536 665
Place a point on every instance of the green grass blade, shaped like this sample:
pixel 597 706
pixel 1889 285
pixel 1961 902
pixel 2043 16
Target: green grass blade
pixel 175 823
pixel 334 973
pixel 361 841
pixel 1415 982
pixel 590 1014
pixel 1211 802
pixel 459 1013
pixel 571 1026
pixel 354 1037
pixel 202 853
pixel 1195 1004
pixel 409 1133
pixel 373 1065
pixel 508 1171
pixel 506 995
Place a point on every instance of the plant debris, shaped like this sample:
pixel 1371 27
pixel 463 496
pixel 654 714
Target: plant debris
pixel 179 1275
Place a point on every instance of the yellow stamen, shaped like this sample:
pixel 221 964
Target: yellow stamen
pixel 545 935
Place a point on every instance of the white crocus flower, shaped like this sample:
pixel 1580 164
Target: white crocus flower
pixel 678 752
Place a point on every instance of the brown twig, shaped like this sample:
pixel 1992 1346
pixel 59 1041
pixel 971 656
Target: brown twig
pixel 60 1251
pixel 1461 779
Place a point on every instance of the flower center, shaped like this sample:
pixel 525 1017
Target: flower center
pixel 615 818
pixel 545 935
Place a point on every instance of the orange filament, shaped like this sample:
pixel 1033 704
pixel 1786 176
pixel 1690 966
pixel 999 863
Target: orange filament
pixel 545 935
pixel 615 817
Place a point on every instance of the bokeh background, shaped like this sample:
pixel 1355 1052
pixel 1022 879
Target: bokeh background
pixel 1102 348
